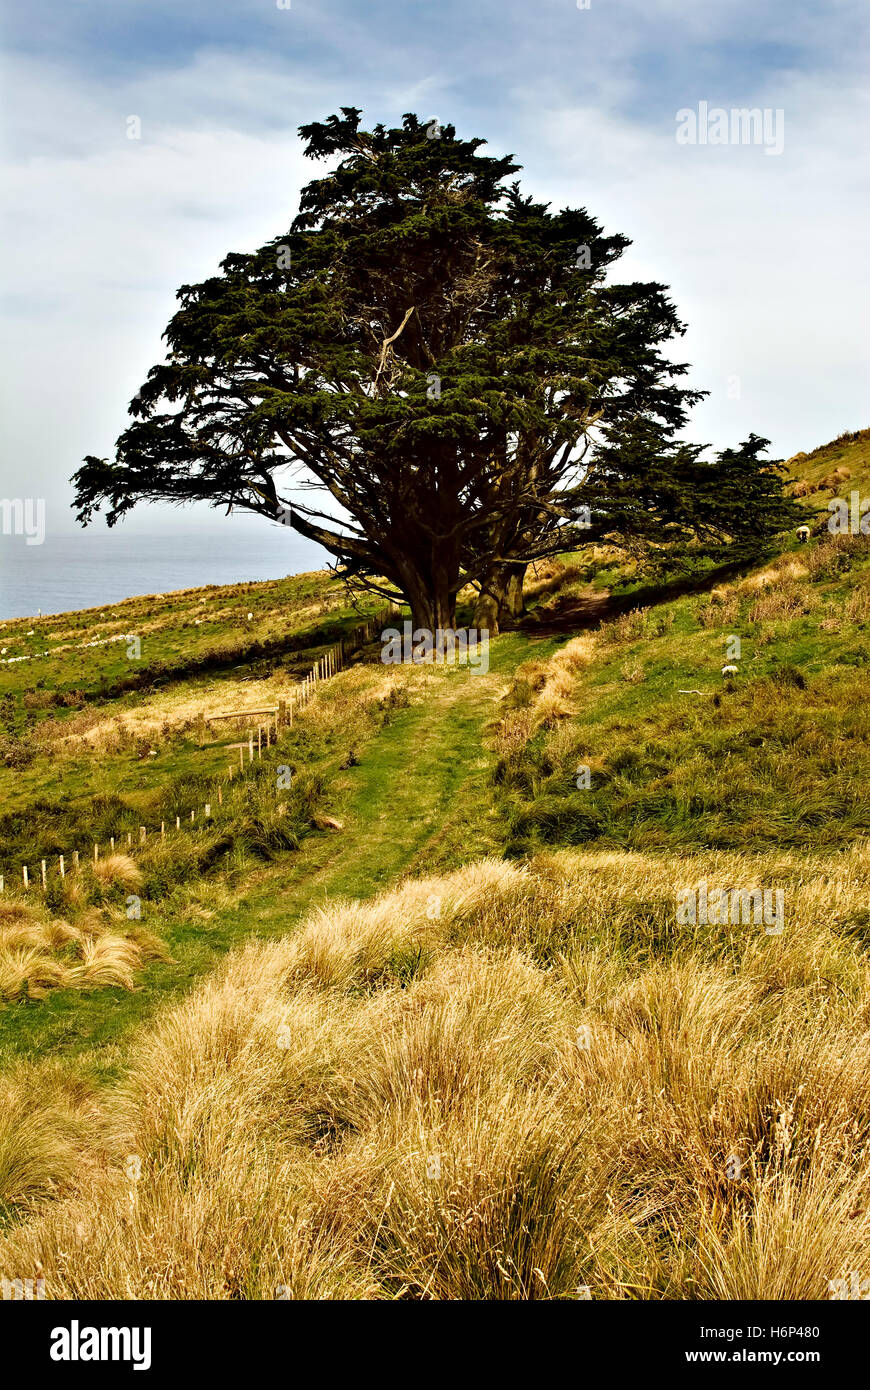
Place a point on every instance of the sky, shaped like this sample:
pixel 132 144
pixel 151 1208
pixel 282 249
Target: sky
pixel 765 253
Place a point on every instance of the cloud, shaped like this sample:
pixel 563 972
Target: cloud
pixel 764 255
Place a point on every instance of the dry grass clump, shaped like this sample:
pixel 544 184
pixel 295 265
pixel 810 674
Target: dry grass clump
pixel 542 694
pixel 720 609
pixel 782 604
pixel 156 716
pixel 554 580
pixel 358 693
pixel 38 954
pixel 628 627
pixel 49 1133
pixel 857 606
pixel 632 672
pixel 831 552
pixel 503 1083
pixel 118 868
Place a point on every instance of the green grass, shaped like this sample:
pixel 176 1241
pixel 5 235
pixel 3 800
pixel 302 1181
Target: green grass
pixel 778 755
pixel 417 797
pixel 772 758
pixel 182 636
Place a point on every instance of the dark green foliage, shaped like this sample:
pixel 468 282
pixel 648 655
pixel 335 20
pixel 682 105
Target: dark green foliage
pixel 433 348
pixel 649 489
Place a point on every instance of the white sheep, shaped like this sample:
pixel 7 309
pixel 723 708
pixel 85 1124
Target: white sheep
pixel 729 670
pixel 803 534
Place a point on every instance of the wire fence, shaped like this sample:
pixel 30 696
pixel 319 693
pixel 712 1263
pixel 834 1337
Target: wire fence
pixel 281 717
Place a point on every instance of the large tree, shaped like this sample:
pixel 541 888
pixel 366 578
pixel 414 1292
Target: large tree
pixel 411 375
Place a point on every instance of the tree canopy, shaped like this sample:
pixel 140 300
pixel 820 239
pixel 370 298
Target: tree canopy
pixel 432 376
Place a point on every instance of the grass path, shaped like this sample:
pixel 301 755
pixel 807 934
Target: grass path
pixel 417 802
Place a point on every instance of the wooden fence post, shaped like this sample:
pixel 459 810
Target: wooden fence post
pixel 24 875
pixel 75 859
pixel 142 833
pixel 96 853
pixel 112 843
pixel 43 872
pixel 61 866
pixel 163 830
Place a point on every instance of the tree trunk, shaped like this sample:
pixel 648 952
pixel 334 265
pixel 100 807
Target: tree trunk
pixel 501 597
pixel 486 611
pixel 431 598
pixel 514 605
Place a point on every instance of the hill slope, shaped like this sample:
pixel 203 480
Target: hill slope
pixel 488 1028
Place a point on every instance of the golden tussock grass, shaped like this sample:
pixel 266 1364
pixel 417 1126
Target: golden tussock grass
pixel 546 690
pixel 49 1133
pixel 396 1101
pixel 782 604
pixel 38 954
pixel 118 868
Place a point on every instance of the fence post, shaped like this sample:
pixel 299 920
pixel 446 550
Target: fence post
pixel 24 875
pixel 281 721
pixel 42 862
pixel 259 740
pixel 2 883
pixel 142 833
pixel 75 858
pixel 208 810
pixel 96 853
pixel 178 822
pixel 62 868
pixel 241 758
pixel 250 748
pixel 129 838
pixel 220 797
pixel 162 830
pixel 112 843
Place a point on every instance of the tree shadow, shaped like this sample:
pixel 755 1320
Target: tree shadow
pixel 579 613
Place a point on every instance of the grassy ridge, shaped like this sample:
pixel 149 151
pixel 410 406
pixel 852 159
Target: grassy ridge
pixel 677 754
pixel 388 1061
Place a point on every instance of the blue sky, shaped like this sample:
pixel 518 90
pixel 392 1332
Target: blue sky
pixel 765 256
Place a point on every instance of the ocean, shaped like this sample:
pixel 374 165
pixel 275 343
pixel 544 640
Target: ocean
pixel 96 566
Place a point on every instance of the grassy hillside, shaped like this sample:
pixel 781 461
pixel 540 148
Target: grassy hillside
pixel 832 470
pixel 427 1019
pixel 776 753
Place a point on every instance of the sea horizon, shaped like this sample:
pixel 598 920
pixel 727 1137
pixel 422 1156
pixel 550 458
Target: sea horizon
pixel 71 571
